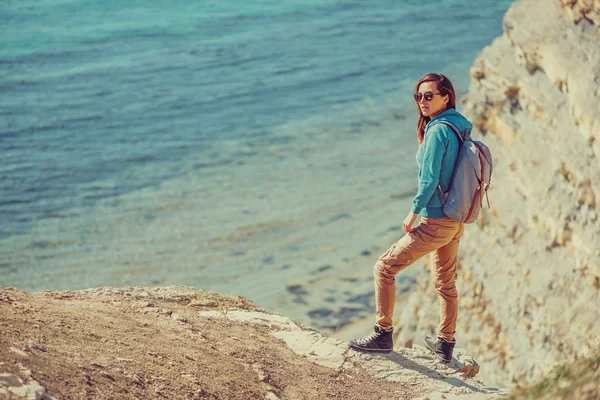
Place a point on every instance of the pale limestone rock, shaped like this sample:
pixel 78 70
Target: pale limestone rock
pixel 528 275
pixel 319 349
pixel 30 390
pixel 271 396
pixel 259 371
pixel 19 352
pixel 254 317
pixel 10 380
pixel 413 366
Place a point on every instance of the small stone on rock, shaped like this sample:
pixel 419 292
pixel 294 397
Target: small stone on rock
pixel 271 396
pixel 19 352
pixel 31 345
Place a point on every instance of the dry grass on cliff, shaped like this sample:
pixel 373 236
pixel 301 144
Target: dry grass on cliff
pixel 578 380
pixel 150 343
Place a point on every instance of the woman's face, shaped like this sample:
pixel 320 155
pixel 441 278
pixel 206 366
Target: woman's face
pixel 436 105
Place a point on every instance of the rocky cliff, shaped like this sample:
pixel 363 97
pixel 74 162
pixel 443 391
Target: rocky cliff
pixel 529 273
pixel 183 343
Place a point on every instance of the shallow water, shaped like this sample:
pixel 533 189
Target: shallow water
pixel 234 147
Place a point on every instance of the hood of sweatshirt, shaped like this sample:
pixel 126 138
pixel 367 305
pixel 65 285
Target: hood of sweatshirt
pixel 454 117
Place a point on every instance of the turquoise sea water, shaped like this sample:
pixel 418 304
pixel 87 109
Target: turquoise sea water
pixel 234 146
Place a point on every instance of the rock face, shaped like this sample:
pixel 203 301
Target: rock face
pixel 529 273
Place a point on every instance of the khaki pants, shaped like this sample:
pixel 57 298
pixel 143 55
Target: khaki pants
pixel 438 236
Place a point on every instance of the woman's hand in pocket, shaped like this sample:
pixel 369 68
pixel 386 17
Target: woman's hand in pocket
pixel 409 221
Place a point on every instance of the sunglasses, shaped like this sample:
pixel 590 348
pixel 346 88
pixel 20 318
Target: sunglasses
pixel 427 96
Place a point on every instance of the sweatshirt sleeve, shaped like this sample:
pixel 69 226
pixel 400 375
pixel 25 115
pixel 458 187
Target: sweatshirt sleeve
pixel 434 143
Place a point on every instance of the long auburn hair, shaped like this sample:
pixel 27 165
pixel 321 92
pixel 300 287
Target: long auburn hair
pixel 444 86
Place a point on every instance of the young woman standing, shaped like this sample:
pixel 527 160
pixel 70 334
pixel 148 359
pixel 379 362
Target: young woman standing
pixel 436 233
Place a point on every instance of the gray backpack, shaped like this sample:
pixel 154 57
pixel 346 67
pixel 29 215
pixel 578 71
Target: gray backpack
pixel 470 180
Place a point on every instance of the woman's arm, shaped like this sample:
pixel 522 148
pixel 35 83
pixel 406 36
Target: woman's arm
pixel 409 221
pixel 434 143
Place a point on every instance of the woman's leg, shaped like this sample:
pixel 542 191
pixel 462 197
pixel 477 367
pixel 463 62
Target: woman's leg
pixel 429 235
pixel 443 273
pixel 414 245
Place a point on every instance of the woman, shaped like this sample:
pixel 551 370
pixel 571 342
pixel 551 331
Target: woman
pixel 436 233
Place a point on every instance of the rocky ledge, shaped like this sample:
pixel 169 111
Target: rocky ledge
pixel 179 342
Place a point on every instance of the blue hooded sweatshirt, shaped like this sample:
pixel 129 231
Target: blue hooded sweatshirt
pixel 436 158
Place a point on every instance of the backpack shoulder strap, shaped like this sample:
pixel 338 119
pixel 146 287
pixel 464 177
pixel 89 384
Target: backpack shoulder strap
pixel 443 196
pixel 454 129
